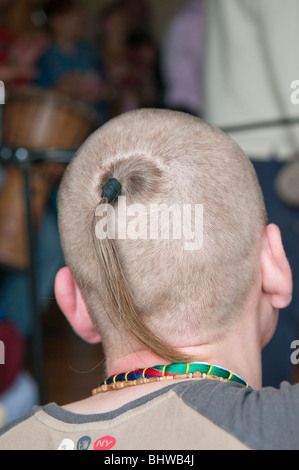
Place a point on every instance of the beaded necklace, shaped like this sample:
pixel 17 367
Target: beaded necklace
pixel 168 372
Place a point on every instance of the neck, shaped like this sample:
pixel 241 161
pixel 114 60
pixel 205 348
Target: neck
pixel 237 355
pixel 239 350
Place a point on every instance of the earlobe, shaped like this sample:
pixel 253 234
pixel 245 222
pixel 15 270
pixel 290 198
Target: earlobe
pixel 276 272
pixel 71 302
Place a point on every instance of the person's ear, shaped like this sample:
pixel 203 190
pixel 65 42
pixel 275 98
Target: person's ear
pixel 72 304
pixel 276 271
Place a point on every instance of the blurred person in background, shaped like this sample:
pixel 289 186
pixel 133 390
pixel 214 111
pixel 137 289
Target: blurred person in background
pixel 144 82
pixel 139 14
pixel 182 59
pixel 129 55
pixel 71 64
pixel 112 33
pixel 18 52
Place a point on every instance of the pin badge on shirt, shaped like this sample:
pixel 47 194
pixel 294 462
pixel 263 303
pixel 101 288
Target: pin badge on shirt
pixel 104 443
pixel 66 444
pixel 83 443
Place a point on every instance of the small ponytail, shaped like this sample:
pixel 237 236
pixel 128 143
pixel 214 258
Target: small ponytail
pixel 123 310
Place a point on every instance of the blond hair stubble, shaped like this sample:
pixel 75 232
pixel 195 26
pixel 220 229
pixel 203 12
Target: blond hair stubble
pixel 153 292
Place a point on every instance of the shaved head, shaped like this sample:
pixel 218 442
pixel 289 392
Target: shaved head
pixel 152 289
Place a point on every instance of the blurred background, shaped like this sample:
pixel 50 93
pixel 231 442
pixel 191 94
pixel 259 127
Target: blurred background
pixel 69 66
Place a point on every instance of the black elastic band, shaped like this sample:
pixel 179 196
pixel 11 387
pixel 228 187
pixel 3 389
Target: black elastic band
pixel 111 190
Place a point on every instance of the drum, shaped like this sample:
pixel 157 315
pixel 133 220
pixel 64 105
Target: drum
pixel 36 120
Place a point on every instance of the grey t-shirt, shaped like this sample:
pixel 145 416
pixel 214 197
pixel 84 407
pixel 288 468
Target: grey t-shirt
pixel 191 415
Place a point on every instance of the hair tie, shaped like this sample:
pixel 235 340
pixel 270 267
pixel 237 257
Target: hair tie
pixel 111 190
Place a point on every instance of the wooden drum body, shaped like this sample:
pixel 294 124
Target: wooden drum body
pixel 35 120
